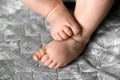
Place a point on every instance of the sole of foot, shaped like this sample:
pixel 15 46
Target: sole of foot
pixel 58 54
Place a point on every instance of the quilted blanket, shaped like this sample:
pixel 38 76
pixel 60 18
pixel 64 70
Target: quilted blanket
pixel 22 32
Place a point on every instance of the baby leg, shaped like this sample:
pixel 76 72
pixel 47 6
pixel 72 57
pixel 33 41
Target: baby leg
pixel 90 13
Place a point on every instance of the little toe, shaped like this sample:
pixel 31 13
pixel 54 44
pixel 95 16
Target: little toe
pixel 52 65
pixel 54 37
pixel 58 37
pixel 57 66
pixel 44 58
pixel 68 31
pixel 63 34
pixel 48 62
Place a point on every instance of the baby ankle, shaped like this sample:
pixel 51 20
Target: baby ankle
pixel 51 13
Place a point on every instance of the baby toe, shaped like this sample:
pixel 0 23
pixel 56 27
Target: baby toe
pixel 38 54
pixel 58 37
pixel 44 58
pixel 54 37
pixel 68 31
pixel 63 34
pixel 48 62
pixel 42 51
pixel 52 65
pixel 77 30
pixel 36 57
pixel 57 66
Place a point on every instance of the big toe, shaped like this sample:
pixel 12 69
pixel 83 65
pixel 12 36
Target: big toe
pixel 77 29
pixel 39 54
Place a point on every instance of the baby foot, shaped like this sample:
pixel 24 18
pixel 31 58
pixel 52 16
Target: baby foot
pixel 63 25
pixel 58 54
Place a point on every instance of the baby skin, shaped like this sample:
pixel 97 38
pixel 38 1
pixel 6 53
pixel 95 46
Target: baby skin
pixel 69 41
pixel 62 24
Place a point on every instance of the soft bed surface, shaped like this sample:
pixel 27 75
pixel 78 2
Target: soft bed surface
pixel 22 32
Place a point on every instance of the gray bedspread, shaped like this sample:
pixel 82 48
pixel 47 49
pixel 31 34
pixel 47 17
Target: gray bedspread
pixel 22 32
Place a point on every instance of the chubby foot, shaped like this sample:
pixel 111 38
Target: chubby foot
pixel 59 53
pixel 63 25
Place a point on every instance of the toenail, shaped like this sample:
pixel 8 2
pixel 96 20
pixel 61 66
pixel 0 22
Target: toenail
pixel 42 51
pixel 35 57
pixel 44 59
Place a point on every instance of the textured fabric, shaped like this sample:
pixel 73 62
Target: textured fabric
pixel 22 32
